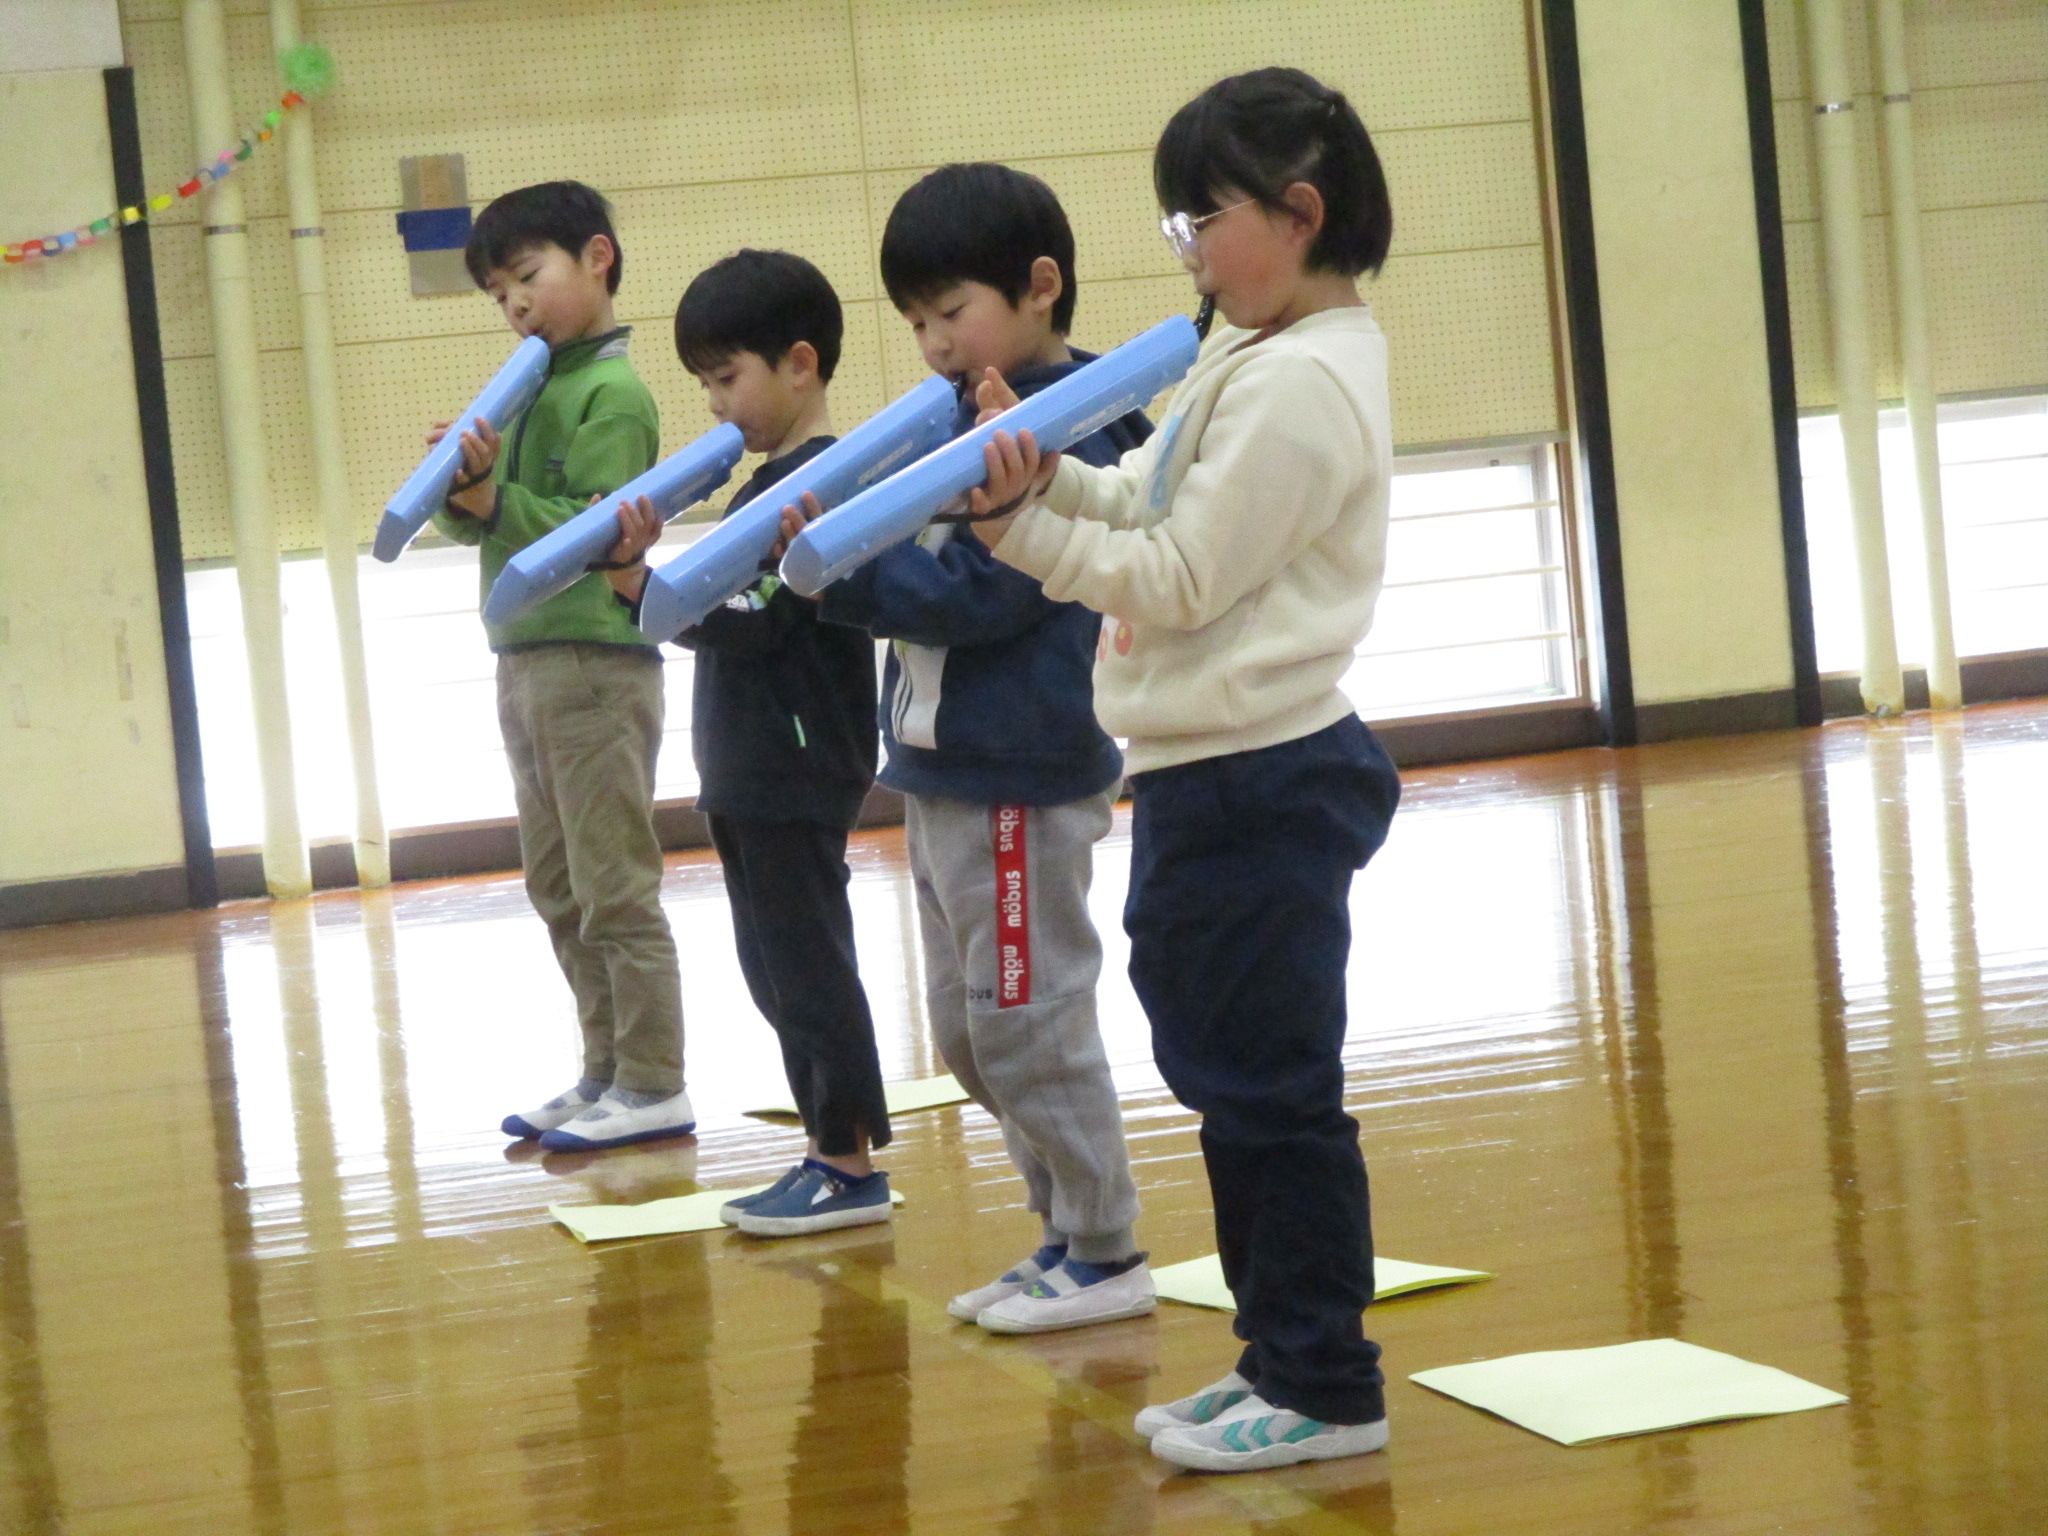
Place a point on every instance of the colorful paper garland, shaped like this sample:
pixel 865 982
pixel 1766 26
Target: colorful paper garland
pixel 222 165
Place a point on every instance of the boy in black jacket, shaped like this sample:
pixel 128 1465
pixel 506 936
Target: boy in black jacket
pixel 783 732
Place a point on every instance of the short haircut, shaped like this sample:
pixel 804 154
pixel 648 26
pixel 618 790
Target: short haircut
pixel 763 302
pixel 1259 133
pixel 564 213
pixel 977 223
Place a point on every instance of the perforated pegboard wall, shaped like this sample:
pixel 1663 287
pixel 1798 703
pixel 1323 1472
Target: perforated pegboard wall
pixel 1980 121
pixel 713 124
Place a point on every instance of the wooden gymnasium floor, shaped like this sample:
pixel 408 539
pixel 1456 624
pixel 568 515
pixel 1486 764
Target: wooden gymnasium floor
pixel 1740 1041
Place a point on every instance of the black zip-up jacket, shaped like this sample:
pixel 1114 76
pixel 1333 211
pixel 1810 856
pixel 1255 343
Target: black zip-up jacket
pixel 782 708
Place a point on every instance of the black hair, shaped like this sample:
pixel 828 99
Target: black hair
pixel 1256 135
pixel 564 213
pixel 978 223
pixel 763 302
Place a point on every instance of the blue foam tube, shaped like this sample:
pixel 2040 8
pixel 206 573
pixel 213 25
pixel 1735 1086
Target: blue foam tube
pixel 1057 416
pixel 728 559
pixel 510 391
pixel 552 563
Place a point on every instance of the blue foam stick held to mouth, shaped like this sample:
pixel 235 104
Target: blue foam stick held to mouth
pixel 510 391
pixel 728 559
pixel 556 562
pixel 1059 415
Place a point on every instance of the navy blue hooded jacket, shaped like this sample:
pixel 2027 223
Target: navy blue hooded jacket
pixel 988 694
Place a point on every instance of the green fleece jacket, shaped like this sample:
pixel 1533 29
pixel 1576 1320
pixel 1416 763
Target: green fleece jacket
pixel 591 429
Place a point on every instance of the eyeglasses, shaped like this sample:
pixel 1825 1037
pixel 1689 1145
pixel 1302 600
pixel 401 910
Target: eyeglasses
pixel 1180 229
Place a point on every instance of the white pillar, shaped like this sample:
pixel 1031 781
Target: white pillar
pixel 330 467
pixel 286 869
pixel 1841 218
pixel 1909 305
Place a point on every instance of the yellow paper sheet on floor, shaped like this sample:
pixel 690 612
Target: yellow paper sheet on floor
pixel 1199 1282
pixel 903 1098
pixel 1579 1395
pixel 655 1218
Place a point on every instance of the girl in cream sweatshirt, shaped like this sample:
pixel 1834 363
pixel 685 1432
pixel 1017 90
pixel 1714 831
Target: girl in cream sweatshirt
pixel 1236 558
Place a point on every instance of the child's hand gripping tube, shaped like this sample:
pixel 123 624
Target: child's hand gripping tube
pixel 509 392
pixel 1058 416
pixel 557 561
pixel 728 559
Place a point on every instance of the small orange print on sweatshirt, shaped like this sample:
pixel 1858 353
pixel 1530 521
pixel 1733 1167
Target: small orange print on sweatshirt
pixel 1123 639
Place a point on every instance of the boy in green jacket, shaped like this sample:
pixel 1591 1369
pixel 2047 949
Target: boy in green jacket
pixel 579 688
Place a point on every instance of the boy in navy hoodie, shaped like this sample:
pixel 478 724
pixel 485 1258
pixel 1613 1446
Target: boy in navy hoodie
pixel 988 717
pixel 782 725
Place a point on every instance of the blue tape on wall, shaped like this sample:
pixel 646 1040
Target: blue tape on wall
pixel 435 229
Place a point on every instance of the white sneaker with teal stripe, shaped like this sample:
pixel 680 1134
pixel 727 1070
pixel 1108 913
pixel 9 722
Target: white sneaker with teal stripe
pixel 1255 1435
pixel 1217 1398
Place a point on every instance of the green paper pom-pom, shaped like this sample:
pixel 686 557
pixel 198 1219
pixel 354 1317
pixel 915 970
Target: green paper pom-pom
pixel 308 69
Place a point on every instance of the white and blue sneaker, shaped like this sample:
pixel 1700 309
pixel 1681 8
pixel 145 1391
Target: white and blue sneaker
pixel 729 1213
pixel 969 1305
pixel 1255 1435
pixel 559 1110
pixel 1074 1294
pixel 820 1199
pixel 613 1122
pixel 1212 1402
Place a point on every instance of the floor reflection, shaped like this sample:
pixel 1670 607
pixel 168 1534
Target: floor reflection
pixel 1742 1041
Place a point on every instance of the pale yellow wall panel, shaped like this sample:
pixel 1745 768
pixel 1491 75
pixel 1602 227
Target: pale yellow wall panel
pixel 197 457
pixel 621 95
pixel 1681 296
pixel 713 126
pixel 84 719
pixel 1469 347
pixel 1980 116
pixel 1987 276
pixel 1121 70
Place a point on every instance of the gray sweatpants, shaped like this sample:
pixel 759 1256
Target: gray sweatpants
pixel 1011 959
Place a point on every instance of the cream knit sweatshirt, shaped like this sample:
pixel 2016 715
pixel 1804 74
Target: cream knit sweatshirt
pixel 1237 555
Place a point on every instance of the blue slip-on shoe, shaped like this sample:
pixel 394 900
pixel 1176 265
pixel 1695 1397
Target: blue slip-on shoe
pixel 610 1122
pixel 822 1199
pixel 729 1213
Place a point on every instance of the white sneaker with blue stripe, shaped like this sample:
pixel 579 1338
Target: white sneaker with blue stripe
pixel 1073 1294
pixel 1218 1398
pixel 1255 1435
pixel 822 1199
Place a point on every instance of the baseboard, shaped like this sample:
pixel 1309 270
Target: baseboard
pixel 1419 741
pixel 487 847
pixel 129 893
pixel 1986 680
pixel 1732 714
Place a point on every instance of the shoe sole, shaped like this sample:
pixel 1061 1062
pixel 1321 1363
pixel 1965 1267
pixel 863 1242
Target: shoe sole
pixel 1143 1308
pixel 565 1141
pixel 1200 1458
pixel 519 1128
pixel 799 1226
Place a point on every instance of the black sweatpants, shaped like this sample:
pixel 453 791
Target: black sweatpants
pixel 786 883
pixel 1240 930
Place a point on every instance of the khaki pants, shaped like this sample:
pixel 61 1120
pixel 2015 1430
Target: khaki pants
pixel 582 725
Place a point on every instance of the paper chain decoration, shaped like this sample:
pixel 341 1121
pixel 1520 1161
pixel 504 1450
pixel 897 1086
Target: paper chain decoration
pixel 223 165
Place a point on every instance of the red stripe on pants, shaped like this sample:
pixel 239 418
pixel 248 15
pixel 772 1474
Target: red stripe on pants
pixel 1013 909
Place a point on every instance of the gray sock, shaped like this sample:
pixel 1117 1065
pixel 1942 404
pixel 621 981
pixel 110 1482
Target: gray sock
pixel 1054 1237
pixel 640 1098
pixel 1103 1247
pixel 591 1089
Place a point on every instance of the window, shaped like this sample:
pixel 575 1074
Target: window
pixel 1477 610
pixel 1477 613
pixel 1994 488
